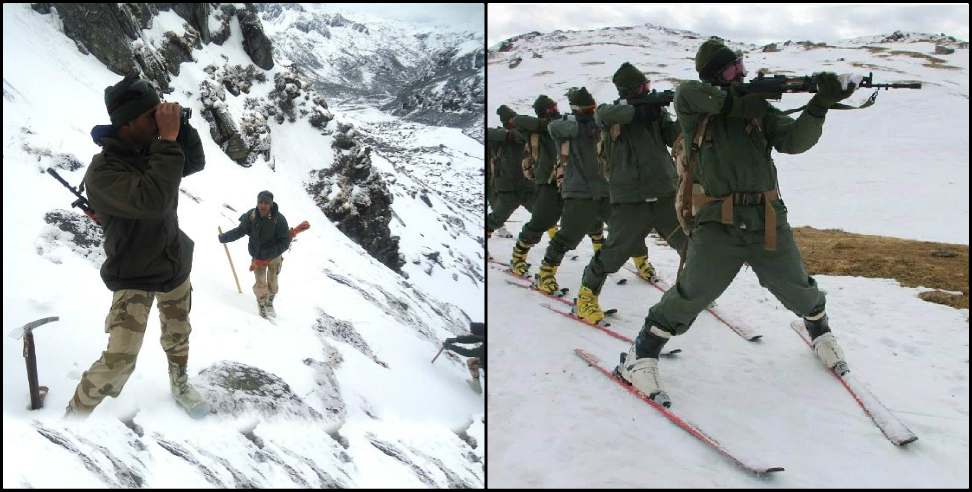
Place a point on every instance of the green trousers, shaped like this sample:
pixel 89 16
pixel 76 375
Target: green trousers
pixel 630 224
pixel 546 213
pixel 580 217
pixel 716 252
pixel 505 203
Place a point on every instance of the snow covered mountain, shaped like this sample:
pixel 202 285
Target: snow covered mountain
pixel 339 388
pixel 899 168
pixel 429 75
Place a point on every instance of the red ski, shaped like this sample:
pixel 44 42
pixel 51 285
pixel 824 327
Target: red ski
pixel 740 330
pixel 887 422
pixel 594 362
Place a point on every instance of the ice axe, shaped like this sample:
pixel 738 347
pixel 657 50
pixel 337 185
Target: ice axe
pixel 37 392
pixel 437 354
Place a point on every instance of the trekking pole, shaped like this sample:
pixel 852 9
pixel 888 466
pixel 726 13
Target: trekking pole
pixel 230 258
pixel 437 354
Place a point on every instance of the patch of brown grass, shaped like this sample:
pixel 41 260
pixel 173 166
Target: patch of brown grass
pixel 916 54
pixel 941 65
pixel 593 63
pixel 912 263
pixel 875 67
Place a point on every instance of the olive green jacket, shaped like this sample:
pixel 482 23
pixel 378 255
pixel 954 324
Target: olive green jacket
pixel 546 158
pixel 505 152
pixel 639 164
pixel 583 177
pixel 737 159
pixel 135 193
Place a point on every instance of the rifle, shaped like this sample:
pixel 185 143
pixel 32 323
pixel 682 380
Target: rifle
pixel 653 98
pixel 775 86
pixel 81 202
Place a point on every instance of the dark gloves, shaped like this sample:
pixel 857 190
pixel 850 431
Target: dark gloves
pixel 747 106
pixel 829 92
pixel 222 238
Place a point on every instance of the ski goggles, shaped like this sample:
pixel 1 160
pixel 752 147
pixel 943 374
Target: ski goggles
pixel 733 70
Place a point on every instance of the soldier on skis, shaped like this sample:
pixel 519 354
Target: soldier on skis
pixel 539 162
pixel 582 184
pixel 634 148
pixel 511 189
pixel 133 187
pixel 269 238
pixel 740 218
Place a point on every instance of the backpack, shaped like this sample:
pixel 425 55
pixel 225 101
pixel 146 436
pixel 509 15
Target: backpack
pixel 685 163
pixel 604 149
pixel 531 152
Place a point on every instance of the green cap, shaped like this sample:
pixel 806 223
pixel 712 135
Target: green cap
pixel 542 103
pixel 711 57
pixel 505 113
pixel 128 99
pixel 579 97
pixel 628 79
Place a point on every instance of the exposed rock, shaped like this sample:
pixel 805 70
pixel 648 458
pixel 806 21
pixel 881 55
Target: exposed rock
pixel 352 194
pixel 234 388
pixel 344 331
pixel 224 15
pixel 197 15
pixel 73 230
pixel 255 41
pixel 103 29
pixel 770 48
pixel 221 125
pixel 178 49
pixel 515 62
pixel 943 50
pixel 46 158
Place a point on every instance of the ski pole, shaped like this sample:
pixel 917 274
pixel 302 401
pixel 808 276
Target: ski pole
pixel 437 354
pixel 230 258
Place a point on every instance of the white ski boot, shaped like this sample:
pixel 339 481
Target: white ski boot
pixel 829 352
pixel 643 375
pixel 824 343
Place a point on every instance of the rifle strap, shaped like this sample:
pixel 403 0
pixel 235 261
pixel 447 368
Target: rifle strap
pixel 868 103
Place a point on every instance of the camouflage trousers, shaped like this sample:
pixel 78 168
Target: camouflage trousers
pixel 266 280
pixel 125 325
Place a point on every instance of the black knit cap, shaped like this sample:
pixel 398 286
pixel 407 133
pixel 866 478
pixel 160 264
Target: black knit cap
pixel 505 113
pixel 712 56
pixel 542 103
pixel 628 79
pixel 265 196
pixel 128 99
pixel 579 97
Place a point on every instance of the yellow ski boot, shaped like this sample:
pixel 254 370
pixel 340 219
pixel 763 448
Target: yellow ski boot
pixel 597 241
pixel 645 270
pixel 546 280
pixel 518 264
pixel 552 232
pixel 587 308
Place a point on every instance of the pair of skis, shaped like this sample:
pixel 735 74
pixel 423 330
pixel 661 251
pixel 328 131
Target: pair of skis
pixel 892 428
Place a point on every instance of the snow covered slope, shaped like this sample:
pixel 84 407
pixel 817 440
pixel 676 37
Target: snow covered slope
pixel 899 168
pixel 352 341
pixel 555 422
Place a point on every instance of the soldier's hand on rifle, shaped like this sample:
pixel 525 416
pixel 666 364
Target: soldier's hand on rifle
pixel 830 90
pixel 167 117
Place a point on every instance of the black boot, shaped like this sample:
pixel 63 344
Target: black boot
pixel 649 344
pixel 816 324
